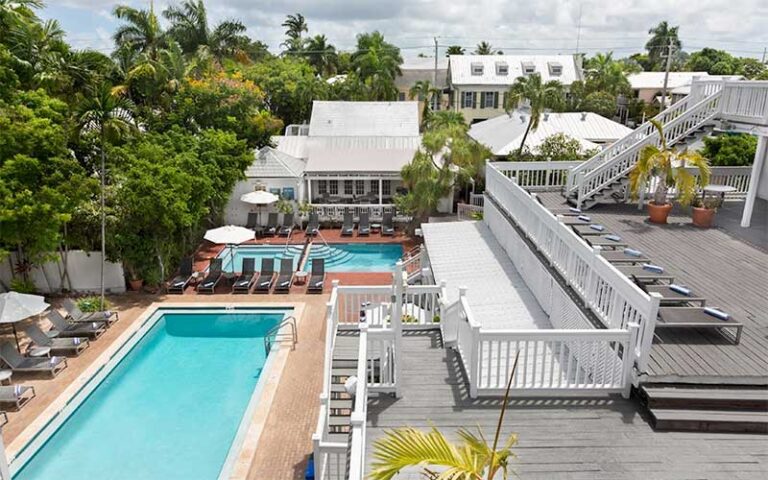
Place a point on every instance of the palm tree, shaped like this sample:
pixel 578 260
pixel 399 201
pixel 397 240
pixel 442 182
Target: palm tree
pixel 377 64
pixel 485 48
pixel 606 74
pixel 295 25
pixel 454 50
pixel 38 48
pixel 189 27
pixel 659 42
pixel 109 116
pixel 13 12
pixel 141 32
pixel 424 91
pixel 539 96
pixel 444 118
pixel 321 55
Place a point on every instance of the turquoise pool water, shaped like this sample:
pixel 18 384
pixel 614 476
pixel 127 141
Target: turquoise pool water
pixel 339 257
pixel 170 409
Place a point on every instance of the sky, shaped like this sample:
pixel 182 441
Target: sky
pixel 514 26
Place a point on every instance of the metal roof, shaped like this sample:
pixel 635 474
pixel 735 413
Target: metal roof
pixel 504 133
pixel 409 77
pixel 460 68
pixel 374 119
pixel 293 145
pixel 360 154
pixel 648 80
pixel 272 163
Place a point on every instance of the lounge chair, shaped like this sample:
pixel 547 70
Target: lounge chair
pixel 587 230
pixel 388 225
pixel 59 346
pixel 247 277
pixel 348 227
pixel 574 219
pixel 271 227
pixel 287 228
pixel 364 227
pixel 670 296
pixel 316 276
pixel 208 284
pixel 313 225
pixel 16 395
pixel 76 315
pixel 91 330
pixel 21 364
pixel 694 317
pixel 181 281
pixel 619 257
pixel 266 276
pixel 252 221
pixel 601 241
pixel 285 278
pixel 641 275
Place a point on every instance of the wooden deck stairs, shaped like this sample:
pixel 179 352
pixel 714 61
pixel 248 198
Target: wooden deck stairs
pixel 343 366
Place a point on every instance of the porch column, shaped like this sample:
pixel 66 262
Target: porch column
pixel 309 190
pixel 754 181
pixel 381 194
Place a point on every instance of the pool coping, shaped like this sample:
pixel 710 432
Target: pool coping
pixel 248 433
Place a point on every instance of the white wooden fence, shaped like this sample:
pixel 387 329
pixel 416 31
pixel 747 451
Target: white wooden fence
pixel 83 274
pixel 334 212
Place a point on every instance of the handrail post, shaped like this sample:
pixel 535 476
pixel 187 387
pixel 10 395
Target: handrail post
pixel 648 331
pixel 629 358
pixel 397 324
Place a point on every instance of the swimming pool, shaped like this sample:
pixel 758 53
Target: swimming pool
pixel 339 257
pixel 170 408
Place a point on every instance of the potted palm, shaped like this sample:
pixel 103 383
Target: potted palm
pixel 667 168
pixel 703 211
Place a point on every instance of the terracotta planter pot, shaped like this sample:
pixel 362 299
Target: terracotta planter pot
pixel 136 284
pixel 659 213
pixel 703 217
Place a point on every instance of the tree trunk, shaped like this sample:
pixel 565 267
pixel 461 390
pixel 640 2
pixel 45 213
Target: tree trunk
pixel 525 136
pixel 660 194
pixel 103 215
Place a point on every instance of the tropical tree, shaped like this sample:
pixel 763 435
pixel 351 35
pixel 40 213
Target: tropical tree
pixel 455 50
pixel 189 27
pixel 141 31
pixel 485 48
pixel 662 35
pixel 14 12
pixel 605 74
pixel 424 91
pixel 539 96
pixel 444 118
pixel 109 117
pixel 295 26
pixel 321 55
pixel 377 64
pixel 37 48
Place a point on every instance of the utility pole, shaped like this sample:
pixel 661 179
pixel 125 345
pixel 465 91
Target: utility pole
pixel 578 31
pixel 670 49
pixel 434 80
pixel 765 50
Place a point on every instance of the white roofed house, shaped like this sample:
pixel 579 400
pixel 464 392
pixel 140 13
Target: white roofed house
pixel 478 83
pixel 648 86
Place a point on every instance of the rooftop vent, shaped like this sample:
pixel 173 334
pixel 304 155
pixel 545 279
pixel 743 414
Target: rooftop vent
pixel 546 116
pixel 555 68
pixel 583 116
pixel 502 68
pixel 477 68
pixel 529 68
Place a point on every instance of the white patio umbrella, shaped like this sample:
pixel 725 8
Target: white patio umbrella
pixel 230 235
pixel 15 307
pixel 260 198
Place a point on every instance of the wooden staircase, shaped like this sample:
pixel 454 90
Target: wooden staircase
pixel 707 409
pixel 343 366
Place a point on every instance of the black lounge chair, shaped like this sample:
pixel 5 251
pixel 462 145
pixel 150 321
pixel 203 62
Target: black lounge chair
pixel 271 227
pixel 58 346
pixel 208 284
pixel 348 227
pixel 65 329
pixel 253 220
pixel 287 228
pixel 388 225
pixel 364 228
pixel 266 277
pixel 181 281
pixel 316 280
pixel 16 395
pixel 313 225
pixel 670 296
pixel 21 364
pixel 247 277
pixel 75 315
pixel 285 278
pixel 695 317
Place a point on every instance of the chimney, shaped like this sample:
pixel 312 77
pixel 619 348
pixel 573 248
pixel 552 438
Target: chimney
pixel 546 116
pixel 583 116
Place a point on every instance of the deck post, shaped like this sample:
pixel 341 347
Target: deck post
pixel 628 360
pixel 397 324
pixel 648 331
pixel 757 168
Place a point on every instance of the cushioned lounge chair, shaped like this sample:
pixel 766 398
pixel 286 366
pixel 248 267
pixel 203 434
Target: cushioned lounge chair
pixel 640 274
pixel 67 330
pixel 388 225
pixel 58 346
pixel 287 228
pixel 16 395
pixel 285 278
pixel 601 241
pixel 586 230
pixel 75 315
pixel 252 221
pixel 313 225
pixel 619 257
pixel 181 281
pixel 316 276
pixel 348 227
pixel 364 227
pixel 208 284
pixel 271 227
pixel 21 364
pixel 266 276
pixel 247 277
pixel 694 317
pixel 670 296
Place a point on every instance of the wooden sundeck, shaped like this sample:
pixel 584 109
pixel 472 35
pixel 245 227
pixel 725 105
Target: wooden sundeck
pixel 727 265
pixel 601 439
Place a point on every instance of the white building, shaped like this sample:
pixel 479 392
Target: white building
pixel 479 83
pixel 649 85
pixel 503 134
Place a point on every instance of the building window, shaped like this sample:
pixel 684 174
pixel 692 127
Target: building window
pixel 333 187
pixel 289 193
pixel 489 99
pixel 555 68
pixel 436 102
pixel 374 187
pixel 386 188
pixel 502 68
pixel 275 191
pixel 477 69
pixel 529 68
pixel 348 187
pixel 322 187
pixel 468 100
pixel 401 96
pixel 359 187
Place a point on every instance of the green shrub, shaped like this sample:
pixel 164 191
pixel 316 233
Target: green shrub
pixel 23 286
pixel 92 304
pixel 731 150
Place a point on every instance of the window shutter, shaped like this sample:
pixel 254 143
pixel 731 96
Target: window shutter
pixel 482 99
pixel 495 99
pixel 474 99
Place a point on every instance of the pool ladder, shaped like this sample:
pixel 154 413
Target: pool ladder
pixel 274 334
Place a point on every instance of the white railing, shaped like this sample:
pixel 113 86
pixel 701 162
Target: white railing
pixel 538 175
pixel 744 101
pixel 374 301
pixel 334 212
pixel 476 199
pixel 465 211
pixel 615 300
pixel 413 262
pixel 421 306
pixel 736 177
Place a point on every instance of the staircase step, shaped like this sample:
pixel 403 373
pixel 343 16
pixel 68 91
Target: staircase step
pixel 707 398
pixel 345 404
pixel 338 437
pixel 338 420
pixel 710 420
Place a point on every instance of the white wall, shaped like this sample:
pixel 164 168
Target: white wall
pixel 84 270
pixel 236 212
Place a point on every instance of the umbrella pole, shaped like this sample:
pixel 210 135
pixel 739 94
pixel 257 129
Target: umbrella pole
pixel 16 336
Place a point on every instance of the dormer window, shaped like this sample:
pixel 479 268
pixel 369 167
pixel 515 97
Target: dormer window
pixel 502 68
pixel 477 69
pixel 529 68
pixel 555 68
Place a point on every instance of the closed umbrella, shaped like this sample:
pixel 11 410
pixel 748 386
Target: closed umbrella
pixel 15 307
pixel 259 198
pixel 230 235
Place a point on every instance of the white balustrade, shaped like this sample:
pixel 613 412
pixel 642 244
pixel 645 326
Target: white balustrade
pixel 539 176
pixel 334 212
